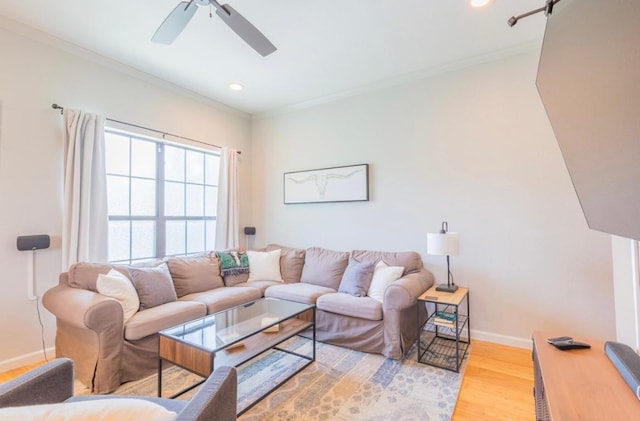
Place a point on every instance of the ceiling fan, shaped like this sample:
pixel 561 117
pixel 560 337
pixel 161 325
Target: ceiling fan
pixel 182 14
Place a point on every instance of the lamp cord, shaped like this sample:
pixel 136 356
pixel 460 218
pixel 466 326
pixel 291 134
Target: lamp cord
pixel 44 350
pixel 449 274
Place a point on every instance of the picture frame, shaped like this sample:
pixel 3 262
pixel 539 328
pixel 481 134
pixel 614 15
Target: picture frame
pixel 335 184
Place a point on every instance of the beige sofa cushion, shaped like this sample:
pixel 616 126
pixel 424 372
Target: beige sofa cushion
pixel 410 260
pixel 223 298
pixel 291 262
pixel 84 275
pixel 233 280
pixel 348 305
pixel 150 321
pixel 260 285
pixel 324 267
pixel 299 292
pixel 195 274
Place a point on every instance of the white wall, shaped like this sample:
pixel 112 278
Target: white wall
pixel 32 76
pixel 473 147
pixel 626 276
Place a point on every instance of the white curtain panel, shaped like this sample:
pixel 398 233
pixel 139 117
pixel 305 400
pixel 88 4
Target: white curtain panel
pixel 227 221
pixel 85 223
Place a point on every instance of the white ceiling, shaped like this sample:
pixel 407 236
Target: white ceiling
pixel 325 48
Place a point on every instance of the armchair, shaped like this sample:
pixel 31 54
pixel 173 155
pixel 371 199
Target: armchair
pixel 53 383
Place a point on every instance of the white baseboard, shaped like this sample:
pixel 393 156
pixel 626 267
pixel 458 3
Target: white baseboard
pixel 26 359
pixel 501 339
pixel 480 335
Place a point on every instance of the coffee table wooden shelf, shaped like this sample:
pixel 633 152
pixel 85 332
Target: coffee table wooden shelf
pixel 202 344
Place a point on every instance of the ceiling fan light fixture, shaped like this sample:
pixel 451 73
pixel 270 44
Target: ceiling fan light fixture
pixel 178 19
pixel 235 86
pixel 479 3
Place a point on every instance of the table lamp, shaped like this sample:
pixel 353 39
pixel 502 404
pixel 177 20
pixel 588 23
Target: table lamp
pixel 444 243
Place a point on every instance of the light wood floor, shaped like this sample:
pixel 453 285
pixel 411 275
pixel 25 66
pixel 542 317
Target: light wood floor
pixel 8 375
pixel 497 384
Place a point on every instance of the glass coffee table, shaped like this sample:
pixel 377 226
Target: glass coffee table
pixel 235 336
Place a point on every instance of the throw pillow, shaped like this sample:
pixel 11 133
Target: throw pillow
pixel 409 260
pixel 116 409
pixel 291 262
pixel 154 285
pixel 194 274
pixel 116 285
pixel 233 262
pixel 264 266
pixel 234 266
pixel 357 278
pixel 383 276
pixel 84 275
pixel 324 267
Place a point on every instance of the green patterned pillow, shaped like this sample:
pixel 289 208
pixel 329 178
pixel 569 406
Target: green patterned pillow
pixel 233 262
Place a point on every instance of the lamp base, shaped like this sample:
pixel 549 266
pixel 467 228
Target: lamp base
pixel 447 288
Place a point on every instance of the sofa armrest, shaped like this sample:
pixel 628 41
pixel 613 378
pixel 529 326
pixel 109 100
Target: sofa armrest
pixel 216 399
pixel 401 314
pixel 89 330
pixel 83 308
pixel 49 383
pixel 403 292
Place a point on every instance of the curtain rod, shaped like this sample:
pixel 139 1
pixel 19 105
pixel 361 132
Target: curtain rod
pixel 61 108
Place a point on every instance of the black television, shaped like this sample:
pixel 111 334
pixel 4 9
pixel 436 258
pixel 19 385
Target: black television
pixel 589 82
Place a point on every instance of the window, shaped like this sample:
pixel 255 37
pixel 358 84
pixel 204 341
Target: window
pixel 162 198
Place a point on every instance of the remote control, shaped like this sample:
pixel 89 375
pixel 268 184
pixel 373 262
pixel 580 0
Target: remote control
pixel 570 344
pixel 559 339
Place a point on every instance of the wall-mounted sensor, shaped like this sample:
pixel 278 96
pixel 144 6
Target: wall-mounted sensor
pixel 33 242
pixel 248 233
pixel 30 243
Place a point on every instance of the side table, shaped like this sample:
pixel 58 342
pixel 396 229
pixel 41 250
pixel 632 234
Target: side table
pixel 446 345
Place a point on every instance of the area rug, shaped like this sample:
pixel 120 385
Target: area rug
pixel 341 384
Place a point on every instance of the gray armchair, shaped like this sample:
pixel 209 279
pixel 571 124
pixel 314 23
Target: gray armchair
pixel 53 383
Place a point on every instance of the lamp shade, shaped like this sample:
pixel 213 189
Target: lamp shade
pixel 443 244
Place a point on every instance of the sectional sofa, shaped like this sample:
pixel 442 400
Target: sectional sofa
pixel 112 340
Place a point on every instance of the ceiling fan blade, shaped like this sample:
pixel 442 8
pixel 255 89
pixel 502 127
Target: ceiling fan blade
pixel 173 25
pixel 245 29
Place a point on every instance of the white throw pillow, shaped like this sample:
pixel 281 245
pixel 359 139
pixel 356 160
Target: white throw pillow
pixel 116 285
pixel 125 409
pixel 383 276
pixel 264 266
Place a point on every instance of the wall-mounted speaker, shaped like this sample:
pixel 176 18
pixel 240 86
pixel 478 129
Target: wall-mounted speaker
pixel 33 242
pixel 249 230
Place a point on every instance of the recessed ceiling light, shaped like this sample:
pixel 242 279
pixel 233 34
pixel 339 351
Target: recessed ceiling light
pixel 479 3
pixel 236 86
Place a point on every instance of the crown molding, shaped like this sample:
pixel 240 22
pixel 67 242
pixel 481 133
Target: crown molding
pixel 81 52
pixel 405 78
pixel 36 35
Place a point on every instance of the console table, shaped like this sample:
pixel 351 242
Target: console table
pixel 580 384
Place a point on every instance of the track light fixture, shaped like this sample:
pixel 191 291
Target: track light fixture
pixel 548 9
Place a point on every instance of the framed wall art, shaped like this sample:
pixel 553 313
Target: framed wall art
pixel 337 184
